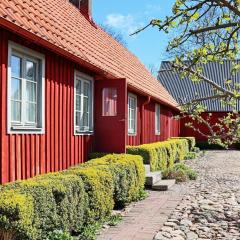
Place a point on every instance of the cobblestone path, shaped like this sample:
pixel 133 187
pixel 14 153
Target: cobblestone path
pixel 211 207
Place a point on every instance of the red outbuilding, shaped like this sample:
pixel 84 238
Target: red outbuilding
pixel 185 90
pixel 67 88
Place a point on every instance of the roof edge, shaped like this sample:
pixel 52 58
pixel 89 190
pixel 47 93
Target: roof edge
pixel 44 43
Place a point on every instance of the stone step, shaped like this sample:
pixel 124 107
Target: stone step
pixel 147 168
pixel 152 178
pixel 163 185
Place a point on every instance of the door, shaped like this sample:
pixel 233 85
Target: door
pixel 110 115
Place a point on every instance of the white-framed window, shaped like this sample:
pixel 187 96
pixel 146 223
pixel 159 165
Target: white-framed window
pixel 26 100
pixel 132 114
pixel 83 101
pixel 157 119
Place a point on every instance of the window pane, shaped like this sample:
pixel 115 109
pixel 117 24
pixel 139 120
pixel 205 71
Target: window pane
pixel 31 91
pixel 85 120
pixel 16 89
pixel 31 112
pixel 78 118
pixel 15 66
pixel 78 87
pixel 109 102
pixel 16 111
pixel 86 89
pixel 85 105
pixel 132 121
pixel 158 117
pixel 31 70
pixel 78 103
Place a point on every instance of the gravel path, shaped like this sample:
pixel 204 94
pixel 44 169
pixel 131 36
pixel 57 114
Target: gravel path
pixel 211 207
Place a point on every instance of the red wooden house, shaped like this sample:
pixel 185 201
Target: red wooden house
pixel 68 88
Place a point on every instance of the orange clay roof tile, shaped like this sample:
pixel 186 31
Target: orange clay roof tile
pixel 61 24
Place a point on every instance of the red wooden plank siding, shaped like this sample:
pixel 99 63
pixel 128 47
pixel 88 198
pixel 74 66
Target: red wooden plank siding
pixel 185 131
pixel 169 126
pixel 23 156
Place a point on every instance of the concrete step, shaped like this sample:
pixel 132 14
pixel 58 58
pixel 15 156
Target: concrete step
pixel 147 168
pixel 152 178
pixel 163 185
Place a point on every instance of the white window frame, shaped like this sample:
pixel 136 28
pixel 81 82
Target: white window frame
pixel 23 127
pixel 131 131
pixel 157 117
pixel 84 78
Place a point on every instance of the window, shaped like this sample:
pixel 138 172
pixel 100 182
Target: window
pixel 132 114
pixel 25 90
pixel 109 102
pixel 76 3
pixel 157 119
pixel 83 103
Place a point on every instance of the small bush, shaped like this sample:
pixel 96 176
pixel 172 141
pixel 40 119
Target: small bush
pixel 128 176
pixel 74 200
pixel 59 235
pixel 162 155
pixel 180 172
pixel 99 186
pixel 196 150
pixel 207 146
pixel 191 155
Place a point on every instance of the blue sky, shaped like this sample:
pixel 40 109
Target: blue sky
pixel 126 16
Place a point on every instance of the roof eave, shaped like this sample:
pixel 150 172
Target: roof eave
pixel 44 43
pixel 174 107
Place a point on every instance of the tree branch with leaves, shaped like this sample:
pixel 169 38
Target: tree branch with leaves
pixel 207 31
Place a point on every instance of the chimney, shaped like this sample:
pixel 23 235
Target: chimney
pixel 86 8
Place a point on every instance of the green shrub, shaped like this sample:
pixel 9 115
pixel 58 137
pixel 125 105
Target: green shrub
pixel 207 146
pixel 128 175
pixel 191 142
pixel 161 155
pixel 17 215
pixel 59 202
pixel 191 155
pixel 180 172
pixel 59 235
pixel 99 186
pixel 72 200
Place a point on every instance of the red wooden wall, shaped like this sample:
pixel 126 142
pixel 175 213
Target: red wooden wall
pixel 146 132
pixel 26 155
pixel 185 131
pixel 23 156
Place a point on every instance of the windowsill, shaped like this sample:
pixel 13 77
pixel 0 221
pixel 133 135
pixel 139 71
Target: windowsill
pixel 81 133
pixel 157 134
pixel 25 130
pixel 132 134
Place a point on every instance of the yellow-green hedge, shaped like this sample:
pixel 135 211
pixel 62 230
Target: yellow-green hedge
pixel 191 142
pixel 162 155
pixel 69 200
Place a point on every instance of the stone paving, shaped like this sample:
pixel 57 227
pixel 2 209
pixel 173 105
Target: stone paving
pixel 211 207
pixel 144 219
pixel 208 208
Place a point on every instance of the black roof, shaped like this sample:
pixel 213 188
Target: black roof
pixel 187 90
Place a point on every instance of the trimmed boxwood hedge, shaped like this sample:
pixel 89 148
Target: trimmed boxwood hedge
pixel 163 155
pixel 191 142
pixel 69 200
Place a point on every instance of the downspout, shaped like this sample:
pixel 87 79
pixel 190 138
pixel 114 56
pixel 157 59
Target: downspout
pixel 143 118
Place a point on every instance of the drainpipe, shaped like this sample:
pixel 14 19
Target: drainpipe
pixel 143 119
